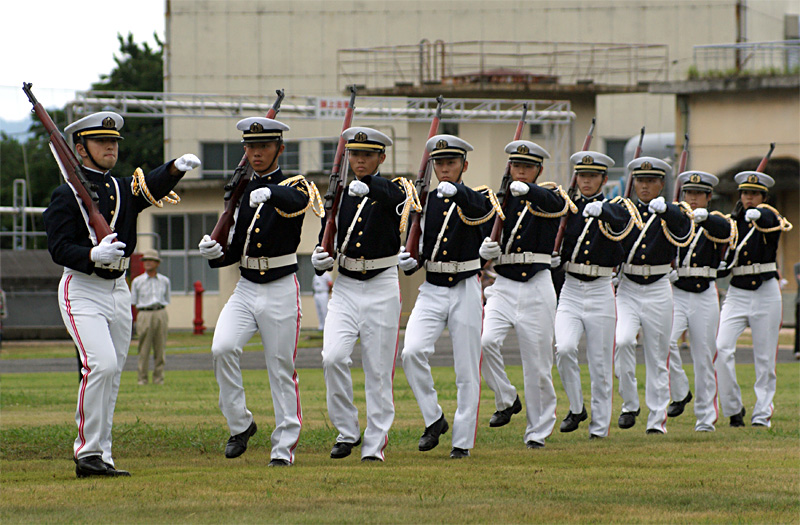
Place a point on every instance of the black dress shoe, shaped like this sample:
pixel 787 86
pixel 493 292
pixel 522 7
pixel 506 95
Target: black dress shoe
pixel 675 408
pixel 369 459
pixel 276 462
pixel 572 421
pixel 459 453
pixel 430 438
pixel 534 444
pixel 738 419
pixel 502 417
pixel 758 425
pixel 238 444
pixel 628 419
pixel 114 472
pixel 342 449
pixel 91 466
pixel 653 431
pixel 595 436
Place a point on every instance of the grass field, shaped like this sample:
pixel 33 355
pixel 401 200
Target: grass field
pixel 172 437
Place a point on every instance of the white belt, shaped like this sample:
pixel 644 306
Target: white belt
pixel 646 270
pixel 120 265
pixel 705 271
pixel 452 266
pixel 524 258
pixel 592 270
pixel 362 265
pixel 268 263
pixel 752 269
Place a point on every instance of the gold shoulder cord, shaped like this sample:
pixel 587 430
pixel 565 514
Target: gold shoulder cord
pixel 496 208
pixel 569 206
pixel 685 208
pixel 783 224
pixel 138 185
pixel 310 189
pixel 731 240
pixel 636 220
pixel 411 202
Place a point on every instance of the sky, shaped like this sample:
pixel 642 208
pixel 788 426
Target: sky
pixel 63 47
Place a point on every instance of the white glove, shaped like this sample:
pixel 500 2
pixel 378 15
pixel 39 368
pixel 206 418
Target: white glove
pixel 489 249
pixel 555 261
pixel 187 162
pixel 723 265
pixel 672 276
pixel 404 259
pixel 593 209
pixel 209 248
pixel 614 279
pixel 699 215
pixel 320 259
pixel 518 188
pixel 108 251
pixel 752 215
pixel 446 189
pixel 259 195
pixel 357 189
pixel 657 205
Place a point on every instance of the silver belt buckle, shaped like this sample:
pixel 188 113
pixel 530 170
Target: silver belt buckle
pixel 263 263
pixel 593 270
pixel 645 270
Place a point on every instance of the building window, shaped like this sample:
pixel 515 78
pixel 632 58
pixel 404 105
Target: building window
pixel 290 158
pixel 615 148
pixel 180 258
pixel 221 159
pixel 328 153
pixel 448 128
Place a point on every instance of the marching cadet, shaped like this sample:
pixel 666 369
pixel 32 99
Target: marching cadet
pixel 696 302
pixel 523 296
pixel 267 297
pixel 753 299
pixel 93 296
pixel 451 295
pixel 592 248
pixel 365 300
pixel 644 296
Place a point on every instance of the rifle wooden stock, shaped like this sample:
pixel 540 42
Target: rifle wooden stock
pixel 681 167
pixel 502 194
pixel 562 226
pixel 71 167
pixel 636 155
pixel 763 164
pixel 422 184
pixel 336 184
pixel 235 187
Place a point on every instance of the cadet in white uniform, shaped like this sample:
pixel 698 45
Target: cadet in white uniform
pixel 753 299
pixel 322 285
pixel 453 226
pixel 592 248
pixel 696 302
pixel 366 296
pixel 644 296
pixel 269 222
pixel 93 295
pixel 522 297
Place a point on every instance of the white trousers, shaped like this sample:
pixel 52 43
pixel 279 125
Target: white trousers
pixel 587 307
pixel 370 309
pixel 761 310
pixel 460 309
pixel 649 307
pixel 321 302
pixel 698 313
pixel 529 308
pixel 273 310
pixel 97 314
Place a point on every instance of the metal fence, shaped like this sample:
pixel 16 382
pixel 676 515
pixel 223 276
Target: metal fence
pixel 502 62
pixel 759 58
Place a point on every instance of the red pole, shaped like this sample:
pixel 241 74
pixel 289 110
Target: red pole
pixel 199 329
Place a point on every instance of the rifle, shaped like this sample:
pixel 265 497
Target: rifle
pixel 234 188
pixel 637 153
pixel 763 164
pixel 681 167
pixel 502 193
pixel 422 184
pixel 562 226
pixel 71 168
pixel 336 182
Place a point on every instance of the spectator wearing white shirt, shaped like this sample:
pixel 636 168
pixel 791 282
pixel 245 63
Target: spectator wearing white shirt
pixel 150 295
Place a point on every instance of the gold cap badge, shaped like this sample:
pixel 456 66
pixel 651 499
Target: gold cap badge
pixel 441 144
pixel 360 137
pixel 523 149
pixel 109 123
pixel 646 165
pixel 256 127
pixel 587 160
pixel 694 178
pixel 752 179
